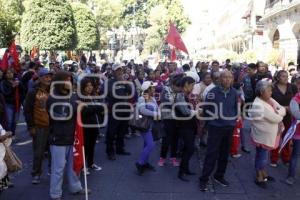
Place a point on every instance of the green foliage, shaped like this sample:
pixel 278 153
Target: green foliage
pixel 159 18
pixel 86 27
pixel 108 16
pixel 48 24
pixel 7 27
pixel 14 9
pixel 273 56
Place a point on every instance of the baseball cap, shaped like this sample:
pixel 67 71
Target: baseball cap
pixel 147 84
pixel 43 72
pixel 117 66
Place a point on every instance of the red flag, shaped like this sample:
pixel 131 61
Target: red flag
pixel 174 39
pixel 4 61
pixel 34 52
pixel 14 54
pixel 78 144
pixel 173 55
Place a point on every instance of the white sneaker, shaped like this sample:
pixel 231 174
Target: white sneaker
pixel 237 155
pixel 96 167
pixel 273 164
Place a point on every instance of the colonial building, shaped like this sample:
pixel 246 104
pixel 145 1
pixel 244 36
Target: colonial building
pixel 282 28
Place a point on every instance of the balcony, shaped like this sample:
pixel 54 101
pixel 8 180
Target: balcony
pixel 271 3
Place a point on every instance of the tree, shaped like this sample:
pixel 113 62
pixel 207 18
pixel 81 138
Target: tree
pixel 14 9
pixel 86 27
pixel 7 27
pixel 158 20
pixel 108 16
pixel 49 24
pixel 136 12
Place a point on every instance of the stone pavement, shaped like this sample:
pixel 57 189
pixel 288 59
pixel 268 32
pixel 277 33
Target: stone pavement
pixel 118 179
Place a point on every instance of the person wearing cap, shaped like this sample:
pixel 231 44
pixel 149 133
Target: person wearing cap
pixel 147 106
pixel 117 99
pixel 37 119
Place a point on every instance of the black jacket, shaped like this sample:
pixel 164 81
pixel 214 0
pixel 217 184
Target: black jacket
pixel 92 114
pixel 62 120
pixel 120 89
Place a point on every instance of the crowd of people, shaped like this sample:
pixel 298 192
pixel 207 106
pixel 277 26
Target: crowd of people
pixel 184 106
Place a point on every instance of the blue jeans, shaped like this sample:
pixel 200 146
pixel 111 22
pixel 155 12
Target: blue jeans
pixel 261 158
pixel 294 158
pixel 12 117
pixel 148 147
pixel 62 156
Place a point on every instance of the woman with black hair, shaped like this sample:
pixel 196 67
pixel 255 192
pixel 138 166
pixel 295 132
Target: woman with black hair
pixel 148 107
pixel 171 138
pixel 92 115
pixel 283 92
pixel 186 125
pixel 10 89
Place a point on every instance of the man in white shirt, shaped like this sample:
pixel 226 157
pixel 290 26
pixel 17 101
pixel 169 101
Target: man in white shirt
pixel 216 80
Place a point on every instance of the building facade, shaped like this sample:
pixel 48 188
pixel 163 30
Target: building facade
pixel 282 28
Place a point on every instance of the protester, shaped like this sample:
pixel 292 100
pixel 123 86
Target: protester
pixel 92 115
pixel 186 125
pixel 170 140
pixel 4 179
pixel 266 128
pixel 148 107
pixel 37 119
pixel 295 111
pixel 220 129
pixel 116 128
pixel 283 92
pixel 62 128
pixel 11 89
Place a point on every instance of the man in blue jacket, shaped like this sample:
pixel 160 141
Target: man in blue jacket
pixel 223 113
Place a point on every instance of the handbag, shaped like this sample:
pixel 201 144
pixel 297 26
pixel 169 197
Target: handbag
pixel 140 122
pixel 12 161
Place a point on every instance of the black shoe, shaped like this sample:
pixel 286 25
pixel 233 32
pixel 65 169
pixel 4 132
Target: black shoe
pixel 188 172
pixel 149 167
pixel 246 150
pixel 123 153
pixel 181 176
pixel 261 184
pixel 221 181
pixel 270 179
pixel 111 157
pixel 203 186
pixel 140 168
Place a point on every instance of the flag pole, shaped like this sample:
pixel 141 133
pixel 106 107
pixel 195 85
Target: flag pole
pixel 84 171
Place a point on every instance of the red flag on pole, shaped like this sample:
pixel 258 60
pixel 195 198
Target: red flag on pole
pixel 14 54
pixel 173 54
pixel 78 161
pixel 174 39
pixel 4 61
pixel 34 52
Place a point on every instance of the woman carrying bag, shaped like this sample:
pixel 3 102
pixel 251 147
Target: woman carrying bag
pixel 4 179
pixel 147 107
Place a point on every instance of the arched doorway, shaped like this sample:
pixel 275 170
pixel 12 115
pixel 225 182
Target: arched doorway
pixel 276 38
